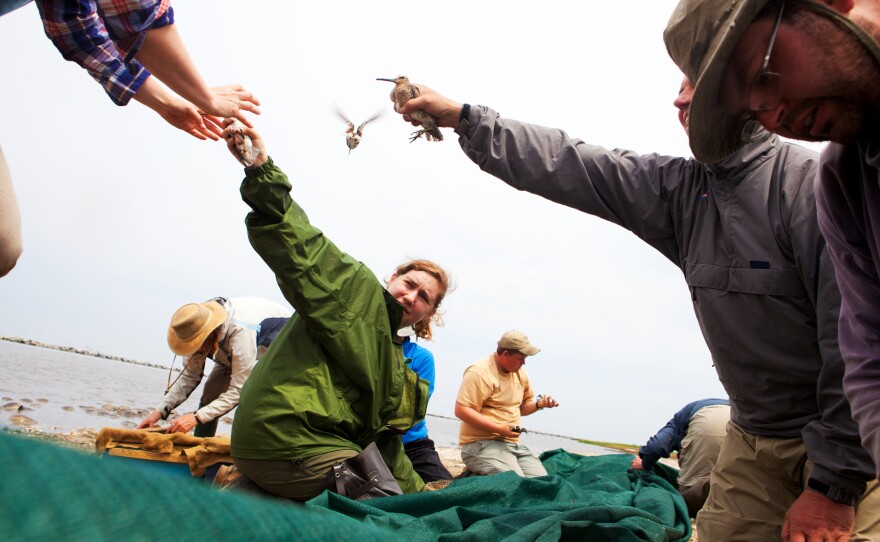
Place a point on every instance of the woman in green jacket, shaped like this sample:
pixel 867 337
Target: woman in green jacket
pixel 335 379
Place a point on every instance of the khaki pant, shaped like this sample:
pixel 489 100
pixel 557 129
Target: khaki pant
pixel 700 446
pixel 755 481
pixel 298 479
pixel 699 452
pixel 494 456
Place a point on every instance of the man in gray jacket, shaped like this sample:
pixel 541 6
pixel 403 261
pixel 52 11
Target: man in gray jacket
pixel 745 235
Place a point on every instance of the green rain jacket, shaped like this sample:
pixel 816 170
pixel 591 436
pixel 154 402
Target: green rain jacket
pixel 335 377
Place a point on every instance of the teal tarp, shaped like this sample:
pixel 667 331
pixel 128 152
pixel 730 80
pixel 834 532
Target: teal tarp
pixel 583 498
pixel 51 493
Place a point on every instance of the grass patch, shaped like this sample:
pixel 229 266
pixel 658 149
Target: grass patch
pixel 628 448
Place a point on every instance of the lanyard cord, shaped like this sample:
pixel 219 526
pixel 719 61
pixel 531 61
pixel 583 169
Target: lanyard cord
pixel 185 367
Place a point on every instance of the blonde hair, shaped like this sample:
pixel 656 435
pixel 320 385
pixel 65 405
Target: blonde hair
pixel 423 326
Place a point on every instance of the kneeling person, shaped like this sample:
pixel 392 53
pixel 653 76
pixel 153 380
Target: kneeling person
pixel 494 394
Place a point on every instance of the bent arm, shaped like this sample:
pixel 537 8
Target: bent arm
pixel 843 225
pixel 666 441
pixel 164 54
pixel 474 418
pixel 832 440
pixel 242 342
pixel 193 369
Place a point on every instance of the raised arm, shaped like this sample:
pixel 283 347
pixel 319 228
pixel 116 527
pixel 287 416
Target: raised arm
pixel 642 193
pixel 165 55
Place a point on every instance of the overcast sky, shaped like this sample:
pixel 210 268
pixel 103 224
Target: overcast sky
pixel 126 218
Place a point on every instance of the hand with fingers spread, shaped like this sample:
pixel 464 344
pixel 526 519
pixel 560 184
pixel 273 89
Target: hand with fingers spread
pixel 231 101
pixel 185 116
pixel 815 518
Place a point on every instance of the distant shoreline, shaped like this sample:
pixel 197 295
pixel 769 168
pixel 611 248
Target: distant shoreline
pixel 626 448
pixel 82 351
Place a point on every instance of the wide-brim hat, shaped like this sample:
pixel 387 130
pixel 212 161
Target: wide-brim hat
pixel 700 37
pixel 517 340
pixel 191 324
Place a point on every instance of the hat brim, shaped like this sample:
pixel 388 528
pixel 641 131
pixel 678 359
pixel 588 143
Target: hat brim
pixel 217 315
pixel 714 132
pixel 530 350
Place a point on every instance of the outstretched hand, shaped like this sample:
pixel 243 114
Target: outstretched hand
pixel 150 421
pixel 187 117
pixel 231 101
pixel 814 516
pixel 444 110
pixel 233 131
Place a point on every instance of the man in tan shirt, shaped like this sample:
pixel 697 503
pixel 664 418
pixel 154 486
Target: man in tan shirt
pixel 494 394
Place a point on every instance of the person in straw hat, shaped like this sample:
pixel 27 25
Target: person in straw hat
pixel 494 394
pixel 335 383
pixel 226 331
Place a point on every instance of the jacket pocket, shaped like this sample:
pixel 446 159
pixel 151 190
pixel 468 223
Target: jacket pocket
pixel 752 280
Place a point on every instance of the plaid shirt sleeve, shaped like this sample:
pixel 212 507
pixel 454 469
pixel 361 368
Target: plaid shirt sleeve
pixel 103 37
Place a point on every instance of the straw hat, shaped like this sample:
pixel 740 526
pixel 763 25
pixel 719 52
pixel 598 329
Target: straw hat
pixel 191 325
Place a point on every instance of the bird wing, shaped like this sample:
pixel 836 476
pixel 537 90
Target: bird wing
pixel 350 124
pixel 360 130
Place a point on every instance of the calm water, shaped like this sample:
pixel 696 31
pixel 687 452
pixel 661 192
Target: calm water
pixel 62 392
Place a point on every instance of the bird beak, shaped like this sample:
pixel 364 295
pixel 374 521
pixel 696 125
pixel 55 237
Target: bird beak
pixel 383 79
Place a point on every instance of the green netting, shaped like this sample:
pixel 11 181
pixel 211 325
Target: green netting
pixel 585 498
pixel 51 493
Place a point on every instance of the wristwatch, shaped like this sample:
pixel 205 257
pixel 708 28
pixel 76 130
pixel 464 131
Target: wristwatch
pixel 538 400
pixel 465 112
pixel 196 416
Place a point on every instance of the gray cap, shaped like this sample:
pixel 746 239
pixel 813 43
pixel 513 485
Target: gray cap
pixel 517 340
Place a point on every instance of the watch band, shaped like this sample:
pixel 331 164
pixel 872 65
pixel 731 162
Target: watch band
pixel 465 112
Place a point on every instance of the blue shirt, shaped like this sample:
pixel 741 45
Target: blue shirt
pixel 423 365
pixel 669 438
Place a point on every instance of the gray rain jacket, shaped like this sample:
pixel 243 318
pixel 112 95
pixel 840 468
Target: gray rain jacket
pixel 745 235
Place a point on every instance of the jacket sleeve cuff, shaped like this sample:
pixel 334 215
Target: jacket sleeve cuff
pixel 469 119
pixel 841 490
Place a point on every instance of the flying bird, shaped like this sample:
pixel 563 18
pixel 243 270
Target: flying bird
pixel 353 136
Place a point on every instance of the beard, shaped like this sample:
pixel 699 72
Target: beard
pixel 851 119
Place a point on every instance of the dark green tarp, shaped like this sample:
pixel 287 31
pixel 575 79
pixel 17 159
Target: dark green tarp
pixel 583 498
